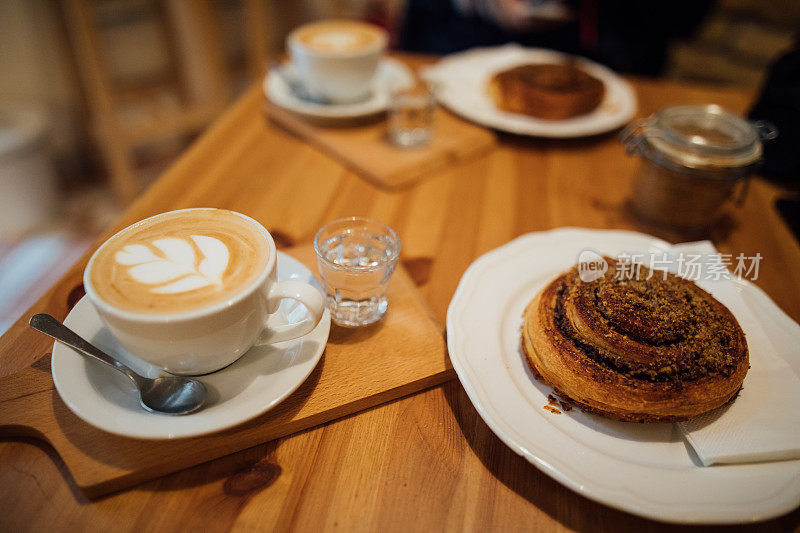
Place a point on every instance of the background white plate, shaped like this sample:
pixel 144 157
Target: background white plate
pixel 460 82
pixel 645 469
pixel 257 382
pixel 391 74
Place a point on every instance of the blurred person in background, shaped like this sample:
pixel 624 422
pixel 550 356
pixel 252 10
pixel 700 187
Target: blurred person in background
pixel 779 104
pixel 627 36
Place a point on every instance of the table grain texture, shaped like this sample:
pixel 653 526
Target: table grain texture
pixel 425 462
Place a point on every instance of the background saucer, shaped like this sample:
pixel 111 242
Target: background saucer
pixel 391 74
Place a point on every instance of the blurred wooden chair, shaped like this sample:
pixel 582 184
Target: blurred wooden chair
pixel 197 68
pixel 198 40
pixel 257 14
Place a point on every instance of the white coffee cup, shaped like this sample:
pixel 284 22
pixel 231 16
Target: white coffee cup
pixel 210 338
pixel 341 74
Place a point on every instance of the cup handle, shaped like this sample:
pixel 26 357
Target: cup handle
pixel 303 293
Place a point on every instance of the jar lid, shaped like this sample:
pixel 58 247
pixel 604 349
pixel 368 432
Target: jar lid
pixel 703 137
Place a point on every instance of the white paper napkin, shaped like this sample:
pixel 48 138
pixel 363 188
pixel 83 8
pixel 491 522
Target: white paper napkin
pixel 763 423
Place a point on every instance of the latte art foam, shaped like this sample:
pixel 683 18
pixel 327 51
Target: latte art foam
pixel 340 36
pixel 180 261
pixel 334 40
pixel 176 269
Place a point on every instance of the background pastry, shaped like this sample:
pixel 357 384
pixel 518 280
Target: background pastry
pixel 639 350
pixel 548 91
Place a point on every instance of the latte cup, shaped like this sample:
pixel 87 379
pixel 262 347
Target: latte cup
pixel 208 337
pixel 337 60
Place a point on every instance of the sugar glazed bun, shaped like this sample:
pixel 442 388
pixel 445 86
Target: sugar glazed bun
pixel 636 350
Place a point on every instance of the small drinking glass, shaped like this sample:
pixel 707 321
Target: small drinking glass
pixel 356 258
pixel 411 116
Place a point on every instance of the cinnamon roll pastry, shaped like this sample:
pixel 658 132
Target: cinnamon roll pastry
pixel 645 349
pixel 548 91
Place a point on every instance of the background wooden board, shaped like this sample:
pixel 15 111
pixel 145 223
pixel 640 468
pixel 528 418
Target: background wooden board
pixel 364 149
pixel 361 367
pixel 427 461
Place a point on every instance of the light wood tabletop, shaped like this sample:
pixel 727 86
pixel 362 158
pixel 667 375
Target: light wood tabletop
pixel 425 462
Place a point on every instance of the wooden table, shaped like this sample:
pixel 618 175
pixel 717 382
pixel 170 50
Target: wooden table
pixel 426 462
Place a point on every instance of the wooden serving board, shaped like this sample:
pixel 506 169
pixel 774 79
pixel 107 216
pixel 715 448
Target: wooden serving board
pixel 361 368
pixel 363 148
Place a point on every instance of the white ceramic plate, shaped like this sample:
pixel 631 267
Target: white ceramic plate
pixel 460 82
pixel 257 382
pixel 644 469
pixel 391 74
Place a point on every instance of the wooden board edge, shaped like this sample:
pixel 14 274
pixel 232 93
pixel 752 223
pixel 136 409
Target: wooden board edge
pixel 105 488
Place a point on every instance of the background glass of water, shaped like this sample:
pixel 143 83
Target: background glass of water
pixel 356 258
pixel 411 112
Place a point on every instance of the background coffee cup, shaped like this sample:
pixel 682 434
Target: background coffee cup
pixel 207 339
pixel 340 76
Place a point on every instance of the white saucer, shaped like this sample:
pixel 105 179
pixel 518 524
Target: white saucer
pixel 257 382
pixel 644 469
pixel 461 81
pixel 391 74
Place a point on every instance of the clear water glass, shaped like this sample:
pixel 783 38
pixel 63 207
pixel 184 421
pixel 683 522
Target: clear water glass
pixel 411 112
pixel 356 258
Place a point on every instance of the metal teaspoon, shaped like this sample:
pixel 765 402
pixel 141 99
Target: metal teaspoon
pixel 169 395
